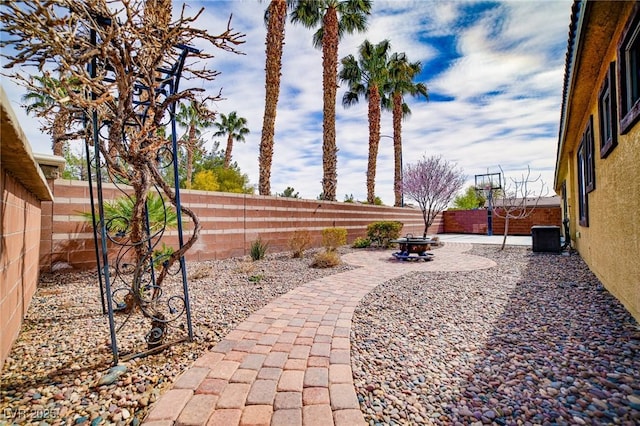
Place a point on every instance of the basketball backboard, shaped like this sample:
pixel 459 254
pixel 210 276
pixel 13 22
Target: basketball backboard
pixel 488 181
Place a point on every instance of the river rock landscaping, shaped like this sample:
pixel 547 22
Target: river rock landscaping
pixel 536 340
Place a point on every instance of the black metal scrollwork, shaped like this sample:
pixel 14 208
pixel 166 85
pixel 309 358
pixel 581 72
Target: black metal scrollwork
pixel 128 268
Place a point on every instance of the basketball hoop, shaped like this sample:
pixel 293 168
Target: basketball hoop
pixel 487 190
pixel 486 184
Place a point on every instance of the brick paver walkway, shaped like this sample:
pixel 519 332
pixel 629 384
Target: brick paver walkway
pixel 289 363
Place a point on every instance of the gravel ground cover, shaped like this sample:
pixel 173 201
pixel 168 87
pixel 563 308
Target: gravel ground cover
pixel 535 341
pixel 63 349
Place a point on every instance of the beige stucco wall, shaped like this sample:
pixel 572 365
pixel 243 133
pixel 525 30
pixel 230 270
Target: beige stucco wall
pixel 610 245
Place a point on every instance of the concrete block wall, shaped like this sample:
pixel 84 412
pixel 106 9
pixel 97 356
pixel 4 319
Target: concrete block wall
pixel 230 223
pixel 19 254
pixel 465 221
pixel 540 216
pixel 23 188
pixel 475 221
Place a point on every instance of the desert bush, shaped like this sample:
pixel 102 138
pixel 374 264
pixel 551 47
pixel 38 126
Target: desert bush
pixel 299 242
pixel 332 238
pixel 380 233
pixel 361 242
pixel 258 249
pixel 326 259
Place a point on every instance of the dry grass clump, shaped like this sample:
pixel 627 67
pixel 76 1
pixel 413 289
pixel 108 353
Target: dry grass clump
pixel 245 267
pixel 299 242
pixel 326 259
pixel 199 272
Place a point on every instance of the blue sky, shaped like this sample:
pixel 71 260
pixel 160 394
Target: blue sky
pixel 494 72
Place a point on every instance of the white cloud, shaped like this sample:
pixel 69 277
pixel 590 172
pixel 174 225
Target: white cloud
pixel 505 80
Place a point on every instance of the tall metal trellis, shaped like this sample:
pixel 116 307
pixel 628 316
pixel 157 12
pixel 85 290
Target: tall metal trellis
pixel 130 294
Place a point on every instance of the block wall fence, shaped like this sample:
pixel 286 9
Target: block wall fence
pixel 230 223
pixel 475 221
pixel 19 253
pixel 23 187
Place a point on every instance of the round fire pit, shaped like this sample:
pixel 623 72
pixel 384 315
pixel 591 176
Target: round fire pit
pixel 413 248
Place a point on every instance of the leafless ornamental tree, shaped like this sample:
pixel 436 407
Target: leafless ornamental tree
pixel 432 183
pixel 126 43
pixel 518 200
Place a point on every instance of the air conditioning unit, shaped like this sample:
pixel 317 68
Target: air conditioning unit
pixel 546 239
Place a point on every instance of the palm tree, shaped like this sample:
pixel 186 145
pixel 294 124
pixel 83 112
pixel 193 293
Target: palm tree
pixel 401 75
pixel 276 16
pixel 235 128
pixel 367 76
pixel 335 18
pixel 42 103
pixel 195 116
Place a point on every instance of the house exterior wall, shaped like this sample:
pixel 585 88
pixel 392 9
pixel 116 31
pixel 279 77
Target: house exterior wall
pixel 610 241
pixel 230 223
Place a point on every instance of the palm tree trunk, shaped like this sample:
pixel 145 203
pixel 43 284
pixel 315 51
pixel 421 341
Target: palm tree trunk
pixel 330 88
pixel 275 40
pixel 58 132
pixel 374 140
pixel 227 152
pixel 397 148
pixel 191 143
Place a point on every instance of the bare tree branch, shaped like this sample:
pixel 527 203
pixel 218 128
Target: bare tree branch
pixel 130 53
pixel 518 200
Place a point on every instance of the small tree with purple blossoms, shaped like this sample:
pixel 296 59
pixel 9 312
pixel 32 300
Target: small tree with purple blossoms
pixel 432 183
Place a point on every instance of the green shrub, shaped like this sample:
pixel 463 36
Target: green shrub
pixel 380 233
pixel 256 278
pixel 326 259
pixel 332 238
pixel 258 249
pixel 299 242
pixel 361 242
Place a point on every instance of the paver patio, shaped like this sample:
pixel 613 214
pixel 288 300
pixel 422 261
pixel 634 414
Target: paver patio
pixel 289 362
